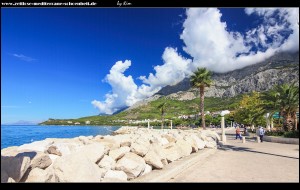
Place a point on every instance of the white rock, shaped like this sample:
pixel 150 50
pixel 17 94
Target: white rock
pixel 184 147
pixel 40 160
pixel 76 167
pixel 118 153
pixel 40 175
pixel 94 152
pixel 107 162
pixel 132 164
pixel 139 149
pixel 200 143
pixel 211 144
pixel 153 159
pixel 115 176
pixel 172 152
pixel 14 167
pixel 40 146
pixel 147 170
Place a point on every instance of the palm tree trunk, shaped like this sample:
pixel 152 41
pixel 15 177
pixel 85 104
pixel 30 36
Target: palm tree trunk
pixel 202 107
pixel 162 122
pixel 288 123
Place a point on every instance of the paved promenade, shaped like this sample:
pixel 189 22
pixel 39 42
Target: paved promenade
pixel 248 162
pixel 238 162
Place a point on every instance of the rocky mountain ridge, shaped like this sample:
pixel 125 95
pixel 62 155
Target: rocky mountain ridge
pixel 278 69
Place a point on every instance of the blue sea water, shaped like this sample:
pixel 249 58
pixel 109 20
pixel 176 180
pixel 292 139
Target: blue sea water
pixel 16 135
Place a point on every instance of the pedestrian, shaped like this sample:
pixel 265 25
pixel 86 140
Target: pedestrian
pixel 261 132
pixel 238 133
pixel 245 130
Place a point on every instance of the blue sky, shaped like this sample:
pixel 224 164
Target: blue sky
pixel 75 62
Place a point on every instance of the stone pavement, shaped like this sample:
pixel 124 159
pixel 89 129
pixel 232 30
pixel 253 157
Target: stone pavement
pixel 246 162
pixel 238 162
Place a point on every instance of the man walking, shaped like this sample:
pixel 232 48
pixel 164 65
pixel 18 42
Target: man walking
pixel 261 132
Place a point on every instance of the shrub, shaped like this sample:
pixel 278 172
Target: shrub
pixel 291 134
pixel 274 133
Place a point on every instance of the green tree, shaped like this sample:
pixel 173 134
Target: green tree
pixel 201 79
pixel 250 111
pixel 288 104
pixel 162 108
pixel 270 102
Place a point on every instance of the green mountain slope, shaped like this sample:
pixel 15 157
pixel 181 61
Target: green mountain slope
pixel 175 108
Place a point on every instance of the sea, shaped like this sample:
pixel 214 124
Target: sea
pixel 16 135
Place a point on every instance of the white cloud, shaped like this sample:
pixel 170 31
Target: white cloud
pixel 125 92
pixel 209 42
pixel 123 89
pixel 211 45
pixel 23 57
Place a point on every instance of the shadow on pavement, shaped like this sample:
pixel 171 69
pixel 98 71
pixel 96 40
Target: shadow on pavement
pixel 236 148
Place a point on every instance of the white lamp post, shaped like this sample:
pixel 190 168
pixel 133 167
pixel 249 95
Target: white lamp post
pixel 171 125
pixel 148 124
pixel 268 122
pixel 223 113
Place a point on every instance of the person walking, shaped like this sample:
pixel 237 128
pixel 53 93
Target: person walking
pixel 261 132
pixel 238 133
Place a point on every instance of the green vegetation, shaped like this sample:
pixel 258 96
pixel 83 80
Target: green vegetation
pixel 283 98
pixel 175 108
pixel 162 108
pixel 201 78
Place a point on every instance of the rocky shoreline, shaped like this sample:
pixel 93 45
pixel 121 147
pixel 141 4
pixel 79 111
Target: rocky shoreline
pixel 127 154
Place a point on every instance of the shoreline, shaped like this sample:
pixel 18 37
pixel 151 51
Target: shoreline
pixel 127 154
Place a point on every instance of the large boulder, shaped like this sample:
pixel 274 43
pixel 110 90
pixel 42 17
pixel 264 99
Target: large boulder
pixel 14 167
pixel 132 164
pixel 39 146
pixel 153 159
pixel 107 162
pixel 85 140
pixel 40 175
pixel 160 152
pixel 139 148
pixel 211 144
pixel 200 143
pixel 39 160
pixel 192 143
pixel 67 147
pixel 109 143
pixel 10 151
pixel 169 137
pixel 185 147
pixel 172 152
pixel 125 130
pixel 118 153
pixel 114 176
pixel 94 152
pixel 147 170
pixel 76 167
pixel 53 150
pixel 125 140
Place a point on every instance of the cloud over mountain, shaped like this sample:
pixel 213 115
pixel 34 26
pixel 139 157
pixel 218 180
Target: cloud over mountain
pixel 212 45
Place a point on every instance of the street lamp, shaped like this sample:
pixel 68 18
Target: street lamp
pixel 223 113
pixel 268 121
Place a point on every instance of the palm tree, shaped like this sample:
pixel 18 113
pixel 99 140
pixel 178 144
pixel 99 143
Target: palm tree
pixel 285 99
pixel 162 108
pixel 201 79
pixel 270 103
pixel 288 104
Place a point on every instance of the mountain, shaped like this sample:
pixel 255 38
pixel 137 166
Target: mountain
pixel 22 122
pixel 279 69
pixel 225 93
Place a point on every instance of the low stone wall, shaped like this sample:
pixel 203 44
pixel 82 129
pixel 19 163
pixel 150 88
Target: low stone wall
pixel 130 153
pixel 281 140
pixel 278 139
